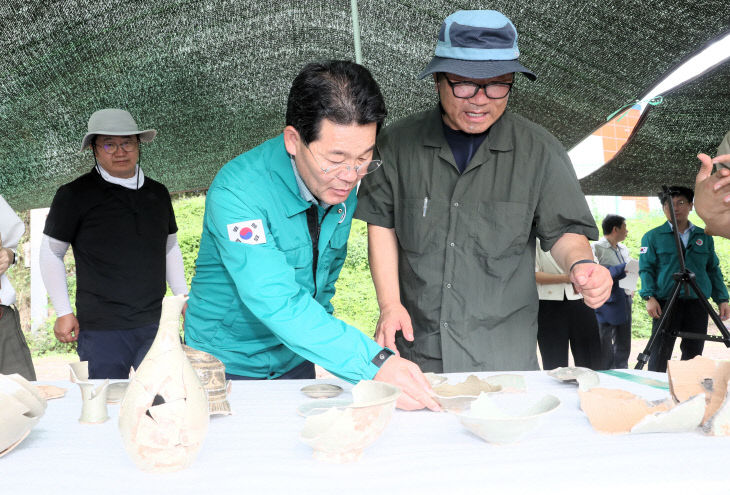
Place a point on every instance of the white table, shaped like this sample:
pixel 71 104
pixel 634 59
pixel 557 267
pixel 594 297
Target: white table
pixel 257 450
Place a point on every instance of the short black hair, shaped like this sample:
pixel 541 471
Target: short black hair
pixel 675 191
pixel 338 90
pixel 610 222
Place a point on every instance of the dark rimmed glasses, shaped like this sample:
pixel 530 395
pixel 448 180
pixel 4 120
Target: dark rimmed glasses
pixel 111 148
pixel 468 89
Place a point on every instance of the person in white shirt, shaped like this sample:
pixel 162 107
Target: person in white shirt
pixel 563 319
pixel 14 352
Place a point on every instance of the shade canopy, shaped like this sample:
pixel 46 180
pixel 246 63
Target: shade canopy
pixel 212 76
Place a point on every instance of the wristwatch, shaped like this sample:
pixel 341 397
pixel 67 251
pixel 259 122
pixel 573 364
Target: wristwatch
pixel 381 357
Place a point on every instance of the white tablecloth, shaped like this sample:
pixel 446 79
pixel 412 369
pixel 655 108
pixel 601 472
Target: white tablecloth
pixel 257 450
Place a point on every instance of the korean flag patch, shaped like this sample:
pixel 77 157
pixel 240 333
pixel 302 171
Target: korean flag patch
pixel 247 232
pixel 699 242
pixel 643 249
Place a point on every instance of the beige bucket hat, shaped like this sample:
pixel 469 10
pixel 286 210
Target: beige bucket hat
pixel 115 122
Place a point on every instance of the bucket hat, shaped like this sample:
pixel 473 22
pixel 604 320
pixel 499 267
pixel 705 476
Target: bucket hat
pixel 477 44
pixel 115 122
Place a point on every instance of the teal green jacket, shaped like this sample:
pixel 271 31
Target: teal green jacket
pixel 253 304
pixel 658 261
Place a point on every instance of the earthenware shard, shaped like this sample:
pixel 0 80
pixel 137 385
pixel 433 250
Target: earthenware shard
pixel 719 423
pixel 506 418
pixel 212 374
pixel 435 380
pixel 585 377
pixel 49 392
pixel 619 411
pixel 321 390
pixel 115 392
pixel 341 433
pixel 700 375
pixel 685 416
pixel 508 383
pixel 21 407
pixel 455 398
pixel 163 417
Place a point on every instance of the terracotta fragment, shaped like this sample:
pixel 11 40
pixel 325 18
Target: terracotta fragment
pixel 163 417
pixel 700 375
pixel 49 392
pixel 619 411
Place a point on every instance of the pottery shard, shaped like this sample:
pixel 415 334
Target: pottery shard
pixel 472 386
pixel 617 411
pixel 700 375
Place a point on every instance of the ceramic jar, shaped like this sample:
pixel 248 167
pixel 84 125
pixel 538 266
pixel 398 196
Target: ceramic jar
pixel 163 417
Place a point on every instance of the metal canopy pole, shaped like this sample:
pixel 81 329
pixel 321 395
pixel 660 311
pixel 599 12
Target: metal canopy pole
pixel 356 30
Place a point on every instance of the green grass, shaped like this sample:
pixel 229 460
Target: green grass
pixel 354 300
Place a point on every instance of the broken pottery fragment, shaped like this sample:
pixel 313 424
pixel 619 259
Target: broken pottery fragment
pixel 585 377
pixel 506 418
pixel 163 417
pixel 435 380
pixel 719 423
pixel 49 392
pixel 341 433
pixel 700 375
pixel 21 407
pixel 457 397
pixel 212 374
pixel 509 383
pixel 619 411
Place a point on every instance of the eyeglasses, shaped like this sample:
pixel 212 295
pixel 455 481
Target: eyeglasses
pixel 336 168
pixel 681 203
pixel 468 89
pixel 127 146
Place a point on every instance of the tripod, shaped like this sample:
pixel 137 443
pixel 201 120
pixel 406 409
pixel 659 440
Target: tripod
pixel 686 277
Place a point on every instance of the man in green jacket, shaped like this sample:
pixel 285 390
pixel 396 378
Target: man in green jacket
pixel 658 261
pixel 275 229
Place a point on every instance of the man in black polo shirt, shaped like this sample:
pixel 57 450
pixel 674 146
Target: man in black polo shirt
pixel 122 228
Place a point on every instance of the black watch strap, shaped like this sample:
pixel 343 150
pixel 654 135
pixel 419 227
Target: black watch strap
pixel 381 357
pixel 579 262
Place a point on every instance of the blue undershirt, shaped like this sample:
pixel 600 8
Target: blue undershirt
pixel 463 145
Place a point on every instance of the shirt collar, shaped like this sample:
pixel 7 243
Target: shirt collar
pixel 128 182
pixel 690 228
pixel 304 191
pixel 498 139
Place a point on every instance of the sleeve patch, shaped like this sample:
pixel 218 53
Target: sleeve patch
pixel 643 249
pixel 247 232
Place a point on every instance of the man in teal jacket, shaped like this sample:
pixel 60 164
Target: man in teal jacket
pixel 275 229
pixel 658 261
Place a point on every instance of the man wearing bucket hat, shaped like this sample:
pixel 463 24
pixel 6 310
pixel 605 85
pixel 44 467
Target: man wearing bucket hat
pixel 453 213
pixel 122 228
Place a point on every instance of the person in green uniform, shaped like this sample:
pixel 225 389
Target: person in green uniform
pixel 453 213
pixel 275 231
pixel 658 261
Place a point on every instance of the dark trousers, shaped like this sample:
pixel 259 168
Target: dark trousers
pixel 563 324
pixel 14 352
pixel 303 371
pixel 688 315
pixel 111 353
pixel 615 345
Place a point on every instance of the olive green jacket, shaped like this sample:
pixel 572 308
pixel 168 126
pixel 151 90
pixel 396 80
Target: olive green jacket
pixel 466 242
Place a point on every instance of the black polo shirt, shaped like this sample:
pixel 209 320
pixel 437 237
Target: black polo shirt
pixel 119 239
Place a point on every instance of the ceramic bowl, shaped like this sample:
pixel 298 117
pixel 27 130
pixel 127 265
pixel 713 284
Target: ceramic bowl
pixel 21 407
pixel 342 432
pixel 506 418
pixel 321 390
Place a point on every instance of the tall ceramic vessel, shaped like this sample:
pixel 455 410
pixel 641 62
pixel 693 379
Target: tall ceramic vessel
pixel 163 417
